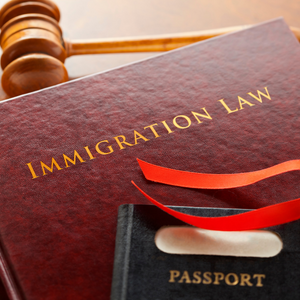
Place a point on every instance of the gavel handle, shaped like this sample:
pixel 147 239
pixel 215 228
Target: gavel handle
pixel 148 43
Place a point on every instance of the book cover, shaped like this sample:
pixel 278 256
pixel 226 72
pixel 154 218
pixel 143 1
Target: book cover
pixel 143 271
pixel 68 153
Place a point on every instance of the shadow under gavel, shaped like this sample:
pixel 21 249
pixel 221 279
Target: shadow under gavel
pixel 34 50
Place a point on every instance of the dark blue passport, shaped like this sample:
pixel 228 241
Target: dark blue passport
pixel 143 272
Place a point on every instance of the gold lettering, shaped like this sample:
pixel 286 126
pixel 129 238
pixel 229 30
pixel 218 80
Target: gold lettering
pixel 243 101
pixel 207 278
pixel 230 279
pixel 235 277
pixel 137 136
pixel 259 278
pixel 53 163
pixel 185 117
pixel 227 108
pixel 32 171
pixel 122 142
pixel 167 126
pixel 76 155
pixel 245 279
pixel 173 274
pixel 218 276
pixel 89 152
pixel 101 152
pixel 207 115
pixel 186 277
pixel 260 93
pixel 153 130
pixel 197 278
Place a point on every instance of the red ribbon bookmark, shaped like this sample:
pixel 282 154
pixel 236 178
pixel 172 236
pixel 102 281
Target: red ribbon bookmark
pixel 256 219
pixel 213 181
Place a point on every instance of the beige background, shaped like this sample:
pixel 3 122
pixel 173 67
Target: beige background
pixel 82 19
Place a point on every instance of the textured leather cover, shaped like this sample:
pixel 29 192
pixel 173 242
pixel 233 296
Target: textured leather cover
pixel 142 271
pixel 58 230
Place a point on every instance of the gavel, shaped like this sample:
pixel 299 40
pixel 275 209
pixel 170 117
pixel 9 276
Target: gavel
pixel 34 50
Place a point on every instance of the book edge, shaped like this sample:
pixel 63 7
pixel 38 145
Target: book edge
pixel 145 59
pixel 122 252
pixel 8 279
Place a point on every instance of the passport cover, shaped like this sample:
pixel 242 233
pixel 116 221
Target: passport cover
pixel 68 153
pixel 142 271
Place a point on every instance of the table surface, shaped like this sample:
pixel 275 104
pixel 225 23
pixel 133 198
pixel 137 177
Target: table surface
pixel 91 19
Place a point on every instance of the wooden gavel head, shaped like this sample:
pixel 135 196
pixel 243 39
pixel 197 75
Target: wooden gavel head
pixel 33 48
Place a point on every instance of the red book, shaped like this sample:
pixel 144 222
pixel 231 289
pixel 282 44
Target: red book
pixel 68 153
